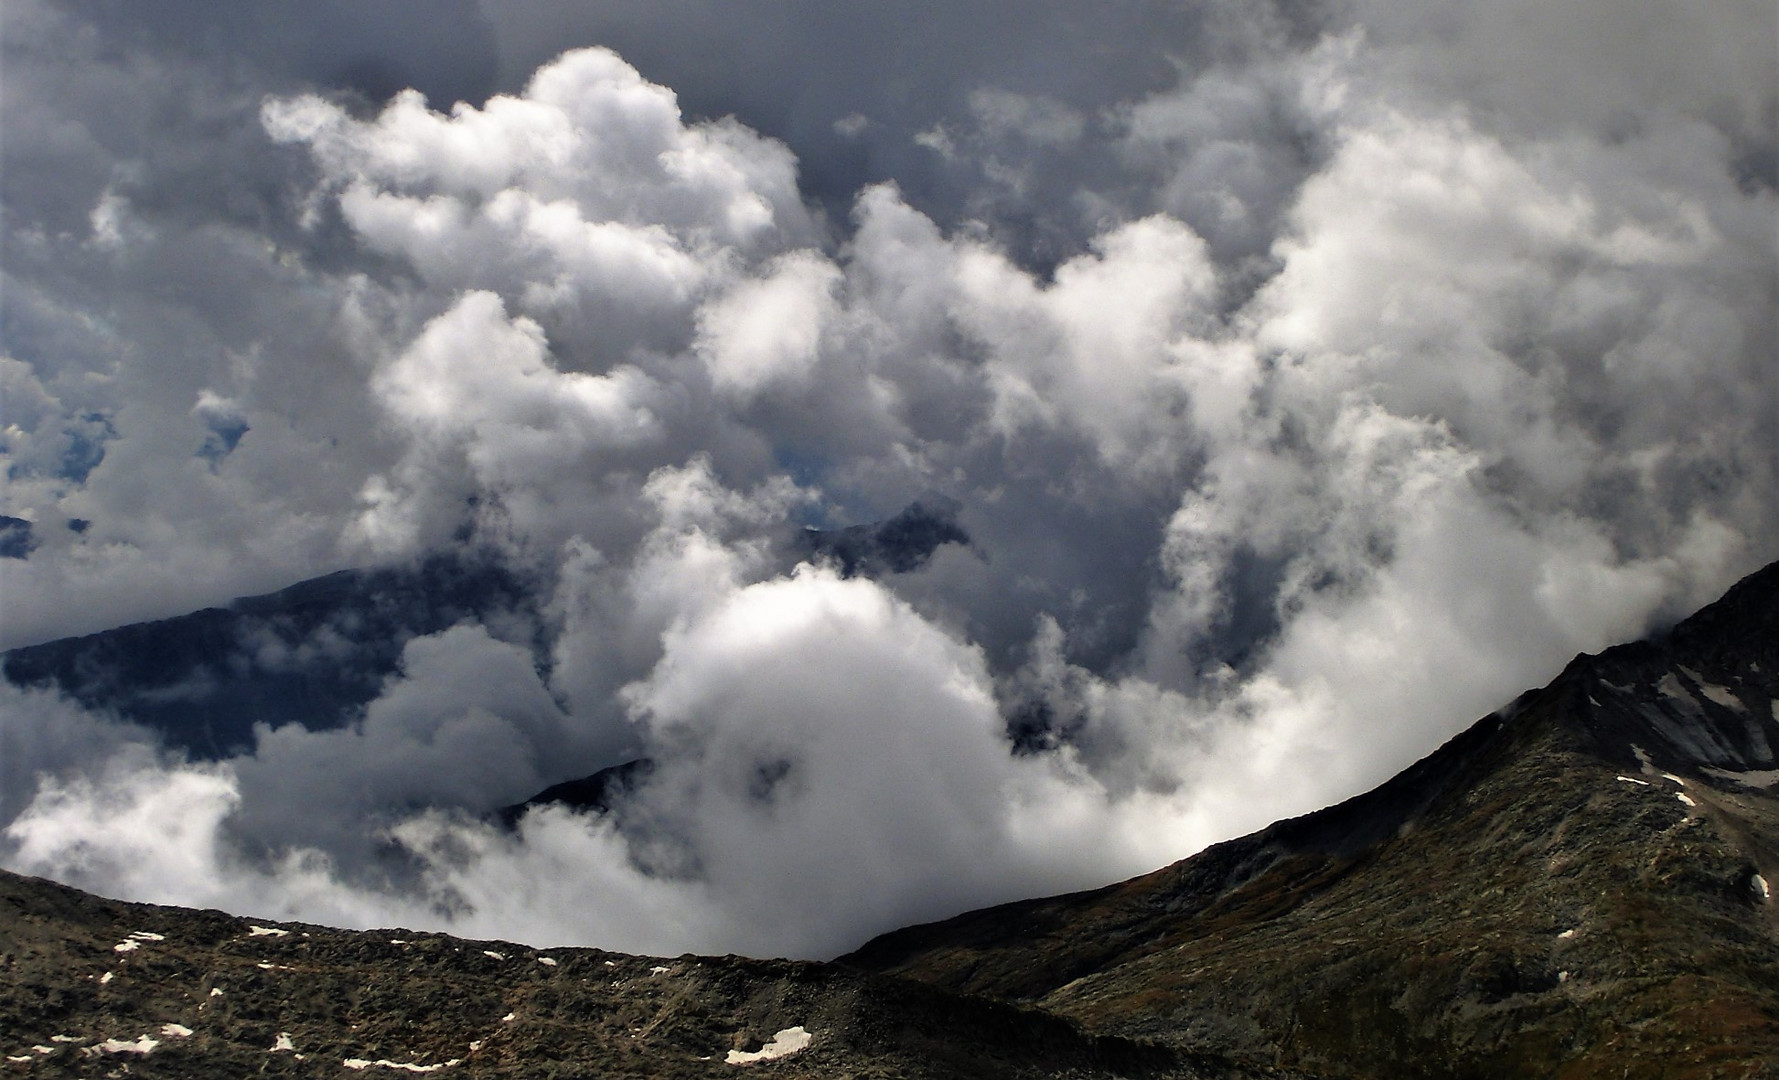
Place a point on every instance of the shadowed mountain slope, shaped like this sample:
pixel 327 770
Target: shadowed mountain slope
pixel 1576 886
pixel 601 793
pixel 313 654
pixel 895 545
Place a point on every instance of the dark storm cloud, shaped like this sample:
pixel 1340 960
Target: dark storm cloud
pixel 1005 113
pixel 796 69
pixel 444 48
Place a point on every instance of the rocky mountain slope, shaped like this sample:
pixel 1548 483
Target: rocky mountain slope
pixel 1577 886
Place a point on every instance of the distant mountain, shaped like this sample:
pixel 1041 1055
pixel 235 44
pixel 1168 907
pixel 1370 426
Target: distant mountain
pixel 894 545
pixel 599 793
pixel 1579 885
pixel 317 652
pixel 16 541
pixel 312 654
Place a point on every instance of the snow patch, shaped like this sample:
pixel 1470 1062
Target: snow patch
pixel 143 1045
pixel 64 1038
pixel 1722 696
pixel 659 970
pixel 1634 780
pixel 509 1018
pixel 1685 798
pixel 783 1044
pixel 265 931
pixel 494 955
pixel 405 1066
pixel 1567 934
pixel 547 961
pixel 282 1044
pixel 1676 779
pixel 127 946
pixel 1761 889
pixel 176 1031
pixel 107 977
pixel 145 935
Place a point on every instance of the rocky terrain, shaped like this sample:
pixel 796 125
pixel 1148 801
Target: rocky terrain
pixel 1577 886
pixel 92 987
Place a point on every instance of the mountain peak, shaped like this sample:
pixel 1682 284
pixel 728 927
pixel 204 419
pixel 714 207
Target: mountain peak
pixel 1702 695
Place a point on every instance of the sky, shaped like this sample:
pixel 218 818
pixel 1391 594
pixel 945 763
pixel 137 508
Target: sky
pixel 1309 376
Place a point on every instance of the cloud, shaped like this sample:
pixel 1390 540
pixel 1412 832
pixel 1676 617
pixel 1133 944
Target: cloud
pixel 1307 390
pixel 769 329
pixel 764 707
pixel 479 385
pixel 1089 352
pixel 586 200
pixel 813 729
pixel 466 725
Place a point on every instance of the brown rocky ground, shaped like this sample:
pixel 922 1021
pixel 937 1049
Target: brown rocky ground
pixel 92 987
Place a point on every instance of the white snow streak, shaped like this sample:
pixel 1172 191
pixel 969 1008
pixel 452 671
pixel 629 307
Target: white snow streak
pixel 406 1066
pixel 783 1044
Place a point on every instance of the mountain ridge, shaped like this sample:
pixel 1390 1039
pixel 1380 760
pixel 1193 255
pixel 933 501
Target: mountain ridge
pixel 1239 935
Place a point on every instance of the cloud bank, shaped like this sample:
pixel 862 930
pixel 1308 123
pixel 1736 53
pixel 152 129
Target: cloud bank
pixel 1307 389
